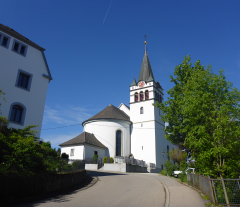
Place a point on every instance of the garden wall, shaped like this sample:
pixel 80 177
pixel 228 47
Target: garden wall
pixel 13 186
pixel 123 167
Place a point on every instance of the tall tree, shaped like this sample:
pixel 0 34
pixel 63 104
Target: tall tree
pixel 211 111
pixel 172 108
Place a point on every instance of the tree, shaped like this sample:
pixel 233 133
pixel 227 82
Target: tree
pixel 203 115
pixel 172 108
pixel 178 156
pixel 211 112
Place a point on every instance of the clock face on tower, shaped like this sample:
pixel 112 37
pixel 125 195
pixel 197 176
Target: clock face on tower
pixel 141 84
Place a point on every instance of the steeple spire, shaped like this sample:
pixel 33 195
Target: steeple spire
pixel 145 42
pixel 146 70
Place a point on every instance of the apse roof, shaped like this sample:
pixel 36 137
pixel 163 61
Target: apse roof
pixel 110 112
pixel 84 138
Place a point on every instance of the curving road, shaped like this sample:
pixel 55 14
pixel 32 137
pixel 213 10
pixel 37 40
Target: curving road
pixel 112 189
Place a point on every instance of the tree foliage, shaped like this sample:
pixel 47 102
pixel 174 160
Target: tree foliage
pixel 21 151
pixel 178 155
pixel 203 115
pixel 211 118
pixel 172 108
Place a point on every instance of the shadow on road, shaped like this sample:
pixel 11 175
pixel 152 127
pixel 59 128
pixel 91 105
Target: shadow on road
pixel 64 195
pixel 101 173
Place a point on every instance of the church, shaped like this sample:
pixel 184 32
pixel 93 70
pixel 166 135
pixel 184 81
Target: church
pixel 123 131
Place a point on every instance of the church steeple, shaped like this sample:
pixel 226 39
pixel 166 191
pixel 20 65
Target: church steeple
pixel 146 70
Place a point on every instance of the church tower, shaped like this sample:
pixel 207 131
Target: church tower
pixel 147 136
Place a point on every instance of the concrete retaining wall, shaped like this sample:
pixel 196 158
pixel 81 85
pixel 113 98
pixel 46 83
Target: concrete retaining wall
pixel 123 167
pixel 91 166
pixel 155 170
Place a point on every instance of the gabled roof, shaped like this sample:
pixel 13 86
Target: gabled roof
pixel 84 138
pixel 124 105
pixel 17 35
pixel 146 69
pixel 110 112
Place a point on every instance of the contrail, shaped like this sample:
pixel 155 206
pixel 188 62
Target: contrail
pixel 107 12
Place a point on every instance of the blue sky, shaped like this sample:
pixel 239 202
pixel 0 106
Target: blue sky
pixel 94 51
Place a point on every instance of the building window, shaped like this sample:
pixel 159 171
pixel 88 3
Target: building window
pixel 24 80
pixel 141 125
pixel 155 95
pixel 95 152
pixel 119 143
pixel 17 113
pixel 146 95
pixel 141 96
pixel 142 147
pixel 162 167
pixel 136 97
pixel 19 48
pixel 72 152
pixel 4 40
pixel 141 110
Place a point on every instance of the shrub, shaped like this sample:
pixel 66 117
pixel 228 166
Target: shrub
pixel 164 172
pixel 183 177
pixel 111 160
pixel 104 159
pixel 75 165
pixel 170 167
pixel 95 158
pixel 64 155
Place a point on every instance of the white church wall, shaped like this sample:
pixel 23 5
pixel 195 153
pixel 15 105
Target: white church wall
pixel 89 151
pixel 105 131
pixel 143 141
pixel 78 152
pixel 148 111
pixel 124 109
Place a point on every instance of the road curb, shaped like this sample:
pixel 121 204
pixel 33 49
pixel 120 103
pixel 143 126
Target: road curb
pixel 167 194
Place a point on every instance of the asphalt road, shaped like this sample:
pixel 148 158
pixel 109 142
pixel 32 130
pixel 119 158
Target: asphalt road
pixel 112 189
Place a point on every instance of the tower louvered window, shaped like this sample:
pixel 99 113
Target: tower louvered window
pixel 146 95
pixel 141 96
pixel 136 97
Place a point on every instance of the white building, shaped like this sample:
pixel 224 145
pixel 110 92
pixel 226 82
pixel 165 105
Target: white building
pixel 137 130
pixel 24 77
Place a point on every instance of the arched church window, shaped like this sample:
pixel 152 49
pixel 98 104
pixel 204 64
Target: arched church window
pixel 136 97
pixel 146 95
pixel 141 110
pixel 158 98
pixel 119 143
pixel 141 96
pixel 155 95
